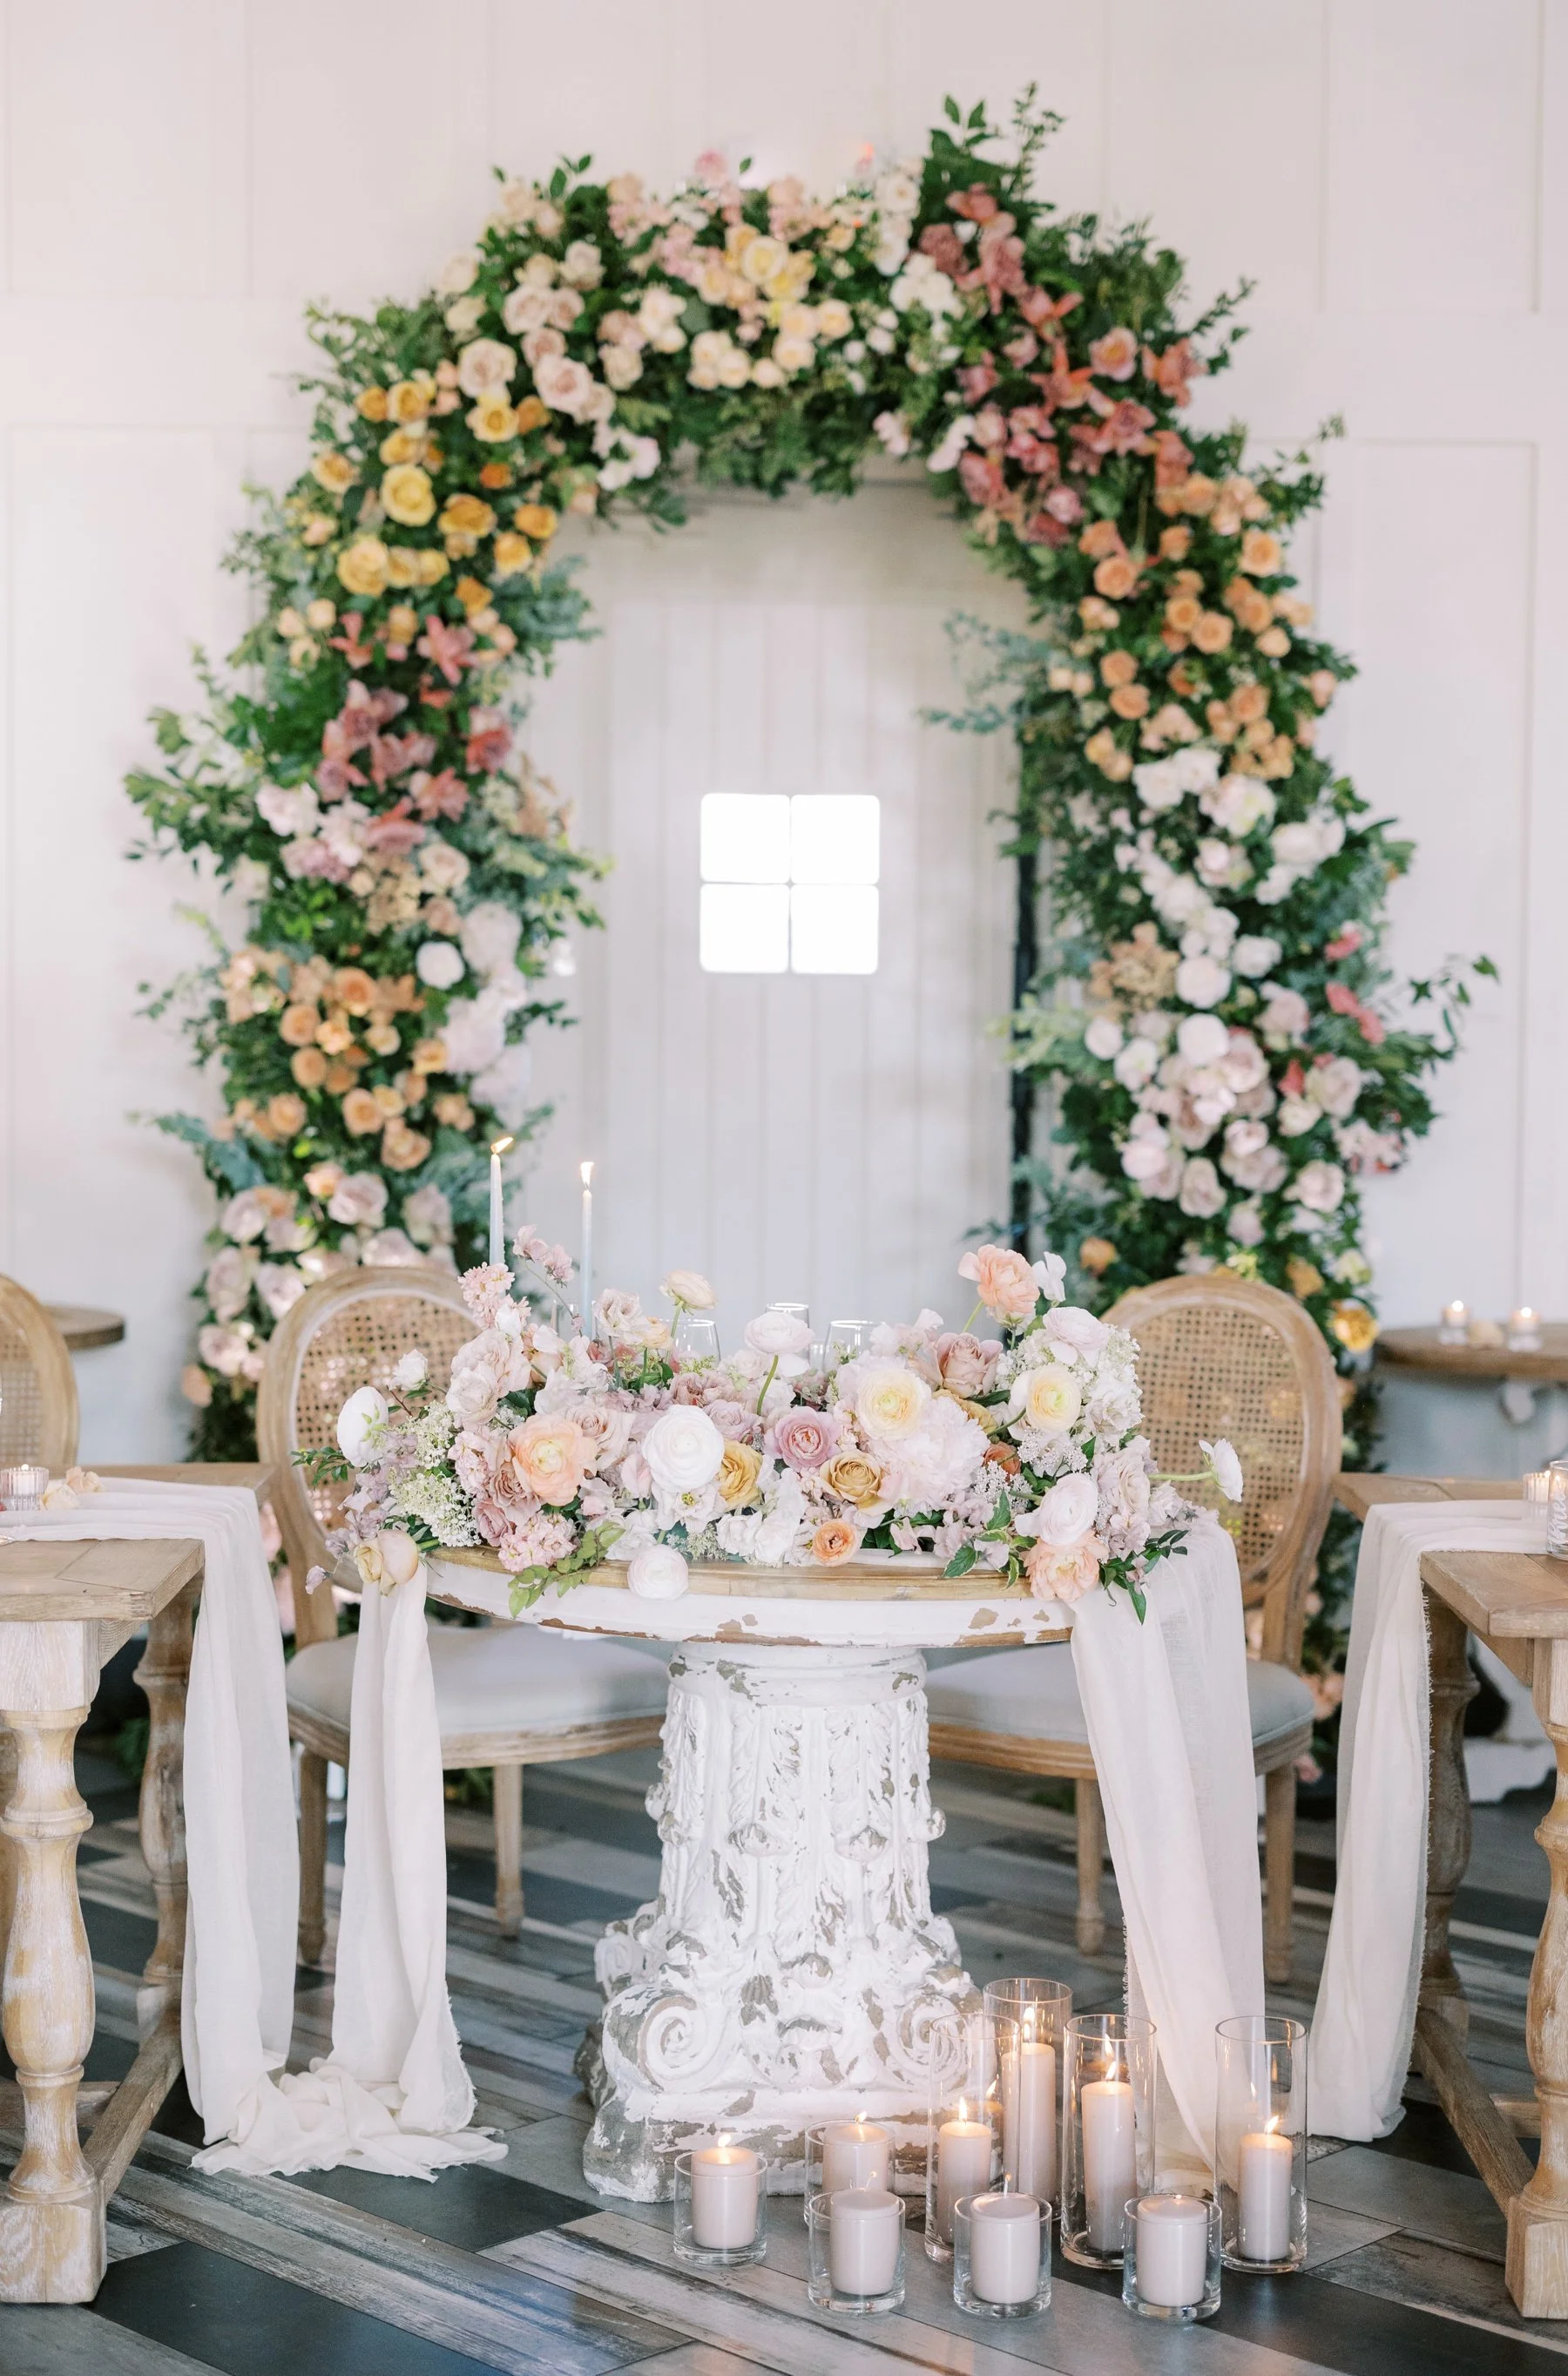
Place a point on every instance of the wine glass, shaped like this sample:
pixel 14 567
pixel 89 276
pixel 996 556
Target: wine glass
pixel 845 1339
pixel 696 1337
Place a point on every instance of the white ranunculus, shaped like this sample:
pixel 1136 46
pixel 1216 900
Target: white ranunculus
pixel 1227 1469
pixel 1103 1038
pixel 658 1571
pixel 1202 1038
pixel 439 964
pixel 1070 1324
pixel 1255 955
pixel 683 1449
pixel 360 1424
pixel 411 1370
pixel 688 1288
pixel 1063 1515
pixel 1319 1187
pixel 777 1333
pixel 1135 1066
pixel 1202 981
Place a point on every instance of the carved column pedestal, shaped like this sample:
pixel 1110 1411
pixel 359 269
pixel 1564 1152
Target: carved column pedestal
pixel 790 1968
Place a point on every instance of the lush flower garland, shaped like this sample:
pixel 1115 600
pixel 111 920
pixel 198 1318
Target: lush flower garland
pixel 1213 1001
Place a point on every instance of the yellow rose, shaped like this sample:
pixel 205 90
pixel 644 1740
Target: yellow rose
pixel 492 419
pixel 429 1056
pixel 532 413
pixel 473 593
pixel 761 257
pixel 402 565
pixel 1053 1399
pixel 430 566
pixel 402 623
pixel 321 613
pixel 363 565
pixel 333 471
pixel 371 403
pixel 467 516
pixel 513 553
pixel 1304 1278
pixel 854 1478
pixel 537 520
pixel 406 401
pixel 1354 1326
pixel 408 495
pixel 738 1473
pixel 403 445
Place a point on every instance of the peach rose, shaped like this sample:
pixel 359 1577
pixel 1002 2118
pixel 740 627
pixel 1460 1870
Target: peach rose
pixel 298 1026
pixel 834 1542
pixel 308 1067
pixel 1116 354
pixel 551 1456
pixel 362 1115
pixel 854 1478
pixel 1183 613
pixel 1003 1282
pixel 1118 668
pixel 1213 632
pixel 286 1113
pixel 1262 555
pixel 1064 1575
pixel 1175 543
pixel 1103 751
pixel 1130 700
pixel 1116 577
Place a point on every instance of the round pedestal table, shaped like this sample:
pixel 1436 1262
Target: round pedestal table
pixel 791 1970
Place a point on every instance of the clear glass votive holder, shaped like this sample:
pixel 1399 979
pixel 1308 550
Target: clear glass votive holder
pixel 1171 2258
pixel 721 2207
pixel 1002 2255
pixel 1034 2014
pixel 849 2154
pixel 1534 1486
pixel 857 2252
pixel 1557 1508
pixel 964 2135
pixel 22 1487
pixel 1259 2142
pixel 1107 2131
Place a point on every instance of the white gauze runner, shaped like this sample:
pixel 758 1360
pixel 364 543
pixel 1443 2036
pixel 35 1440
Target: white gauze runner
pixel 1170 1730
pixel 393 2095
pixel 1366 2004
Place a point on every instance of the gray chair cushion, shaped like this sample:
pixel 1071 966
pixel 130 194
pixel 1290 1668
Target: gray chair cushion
pixel 1033 1695
pixel 494 1678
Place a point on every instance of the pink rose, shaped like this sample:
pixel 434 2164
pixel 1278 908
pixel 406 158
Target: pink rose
pixel 806 1439
pixel 966 1363
pixel 1064 1573
pixel 1003 1282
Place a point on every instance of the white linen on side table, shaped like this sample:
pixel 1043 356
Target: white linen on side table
pixel 1366 2004
pixel 1171 1736
pixel 393 2095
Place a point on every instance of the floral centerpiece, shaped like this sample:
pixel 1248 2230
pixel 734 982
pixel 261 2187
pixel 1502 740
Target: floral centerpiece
pixel 1019 1452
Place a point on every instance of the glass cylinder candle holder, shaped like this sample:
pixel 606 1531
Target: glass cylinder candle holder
pixel 1524 1330
pixel 1535 1487
pixel 721 2207
pixel 1171 2258
pixel 1260 2141
pixel 1107 2131
pixel 1557 1509
pixel 1002 2255
pixel 856 2250
pixel 21 1487
pixel 695 1336
pixel 1454 1327
pixel 1034 2014
pixel 964 2136
pixel 849 2154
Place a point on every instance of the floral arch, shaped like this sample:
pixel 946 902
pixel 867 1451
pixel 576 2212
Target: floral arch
pixel 1208 998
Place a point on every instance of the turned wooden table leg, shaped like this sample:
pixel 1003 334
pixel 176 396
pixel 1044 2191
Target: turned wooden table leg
pixel 1537 2219
pixel 7 1854
pixel 1448 1810
pixel 51 2210
pixel 164 1674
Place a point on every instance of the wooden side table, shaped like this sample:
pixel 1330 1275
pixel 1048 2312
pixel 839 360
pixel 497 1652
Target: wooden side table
pixel 65 1608
pixel 1517 1603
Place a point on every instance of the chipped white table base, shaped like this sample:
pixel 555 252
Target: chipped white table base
pixel 791 1970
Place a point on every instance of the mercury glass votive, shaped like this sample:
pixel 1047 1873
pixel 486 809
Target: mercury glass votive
pixel 22 1487
pixel 1259 2142
pixel 1172 2260
pixel 856 2250
pixel 721 2207
pixel 1002 2255
pixel 1107 2131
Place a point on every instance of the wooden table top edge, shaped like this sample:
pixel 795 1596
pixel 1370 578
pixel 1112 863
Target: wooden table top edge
pixel 79 1587
pixel 255 1476
pixel 1360 1489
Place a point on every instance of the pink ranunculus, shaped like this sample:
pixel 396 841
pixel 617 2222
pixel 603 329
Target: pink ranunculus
pixel 806 1439
pixel 1003 1280
pixel 1064 1573
pixel 551 1456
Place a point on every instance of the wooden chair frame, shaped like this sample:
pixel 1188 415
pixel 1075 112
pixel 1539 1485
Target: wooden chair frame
pixel 322 1743
pixel 47 1352
pixel 1280 1581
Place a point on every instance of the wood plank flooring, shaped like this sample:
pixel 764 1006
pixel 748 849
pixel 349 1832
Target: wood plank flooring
pixel 518 2267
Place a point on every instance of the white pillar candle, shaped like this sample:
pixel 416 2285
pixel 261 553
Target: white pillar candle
pixel 724 2197
pixel 855 2154
pixel 497 1219
pixel 1031 2121
pixel 1267 2162
pixel 963 2166
pixel 862 2239
pixel 1537 1486
pixel 1173 2249
pixel 1110 2164
pixel 585 1266
pixel 1455 1321
pixel 1524 1330
pixel 1005 2247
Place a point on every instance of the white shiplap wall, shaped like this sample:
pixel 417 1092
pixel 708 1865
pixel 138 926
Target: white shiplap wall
pixel 181 175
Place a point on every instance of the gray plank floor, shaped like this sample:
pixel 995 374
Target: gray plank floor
pixel 519 2266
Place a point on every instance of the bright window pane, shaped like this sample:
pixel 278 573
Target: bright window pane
pixel 833 928
pixel 745 838
pixel 835 837
pixel 745 929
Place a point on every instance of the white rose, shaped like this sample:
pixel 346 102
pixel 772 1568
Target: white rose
pixel 486 365
pixel 1296 1116
pixel 457 273
pixel 359 1201
pixel 1336 1086
pixel 489 935
pixel 1202 981
pixel 658 1573
pixel 227 1280
pixel 683 1449
pixel 360 1423
pixel 280 1285
pixel 1064 1514
pixel 1103 1038
pixel 411 1370
pixel 389 1559
pixel 1320 1187
pixel 689 1287
pixel 1255 955
pixel 439 963
pixel 1070 1324
pixel 1135 1066
pixel 1200 1194
pixel 1202 1039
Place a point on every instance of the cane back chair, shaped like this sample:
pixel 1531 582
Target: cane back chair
pixel 38 1386
pixel 506 1696
pixel 1219 1356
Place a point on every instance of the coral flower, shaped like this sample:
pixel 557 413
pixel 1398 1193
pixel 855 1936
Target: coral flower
pixel 551 1456
pixel 834 1542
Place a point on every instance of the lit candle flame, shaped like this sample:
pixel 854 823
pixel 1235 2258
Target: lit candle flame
pixel 499 1146
pixel 585 1172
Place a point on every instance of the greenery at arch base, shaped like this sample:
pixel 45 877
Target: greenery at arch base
pixel 359 780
